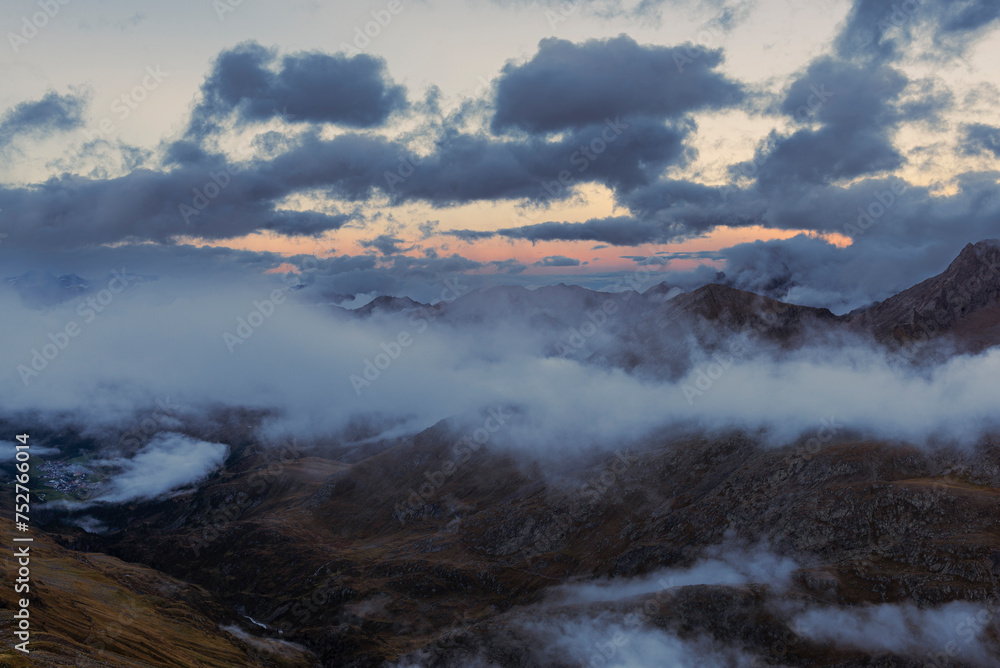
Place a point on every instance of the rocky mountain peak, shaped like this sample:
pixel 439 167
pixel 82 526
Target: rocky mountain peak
pixel 963 301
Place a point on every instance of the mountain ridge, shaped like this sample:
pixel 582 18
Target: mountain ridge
pixel 426 550
pixel 962 302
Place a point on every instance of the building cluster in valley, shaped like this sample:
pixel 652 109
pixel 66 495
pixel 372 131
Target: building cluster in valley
pixel 69 478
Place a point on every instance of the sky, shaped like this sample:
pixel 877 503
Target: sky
pixel 829 154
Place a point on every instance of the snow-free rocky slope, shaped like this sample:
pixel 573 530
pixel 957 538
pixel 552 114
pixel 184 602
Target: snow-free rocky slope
pixel 345 556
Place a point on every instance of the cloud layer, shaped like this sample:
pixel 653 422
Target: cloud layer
pixel 168 462
pixel 273 348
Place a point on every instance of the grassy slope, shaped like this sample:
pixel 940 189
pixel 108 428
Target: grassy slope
pixel 95 610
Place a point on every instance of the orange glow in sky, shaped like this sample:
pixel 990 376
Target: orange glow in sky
pixel 593 256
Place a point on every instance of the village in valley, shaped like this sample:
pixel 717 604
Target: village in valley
pixel 71 479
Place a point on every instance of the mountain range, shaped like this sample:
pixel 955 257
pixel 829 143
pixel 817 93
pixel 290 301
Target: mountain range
pixel 431 549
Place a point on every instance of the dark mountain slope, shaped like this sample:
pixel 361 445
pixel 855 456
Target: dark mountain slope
pixel 665 341
pixel 962 303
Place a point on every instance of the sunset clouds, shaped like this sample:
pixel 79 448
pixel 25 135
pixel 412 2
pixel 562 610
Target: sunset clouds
pixel 589 142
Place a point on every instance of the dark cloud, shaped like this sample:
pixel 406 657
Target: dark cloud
pixel 978 139
pixel 567 85
pixel 691 255
pixel 615 231
pixel 102 158
pixel 558 261
pixel 858 99
pixel 874 30
pixel 207 196
pixel 303 88
pixel 969 15
pixel 847 109
pixel 471 236
pixel 305 223
pixel 618 231
pixel 428 228
pixel 200 193
pixel 892 211
pixel 883 29
pixel 902 234
pixel 470 167
pixel 926 101
pixel 508 266
pixel 696 204
pixel 663 212
pixel 854 106
pixel 185 152
pixel 211 199
pixel 52 113
pixel 647 259
pixel 811 271
pixel 880 213
pixel 386 244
